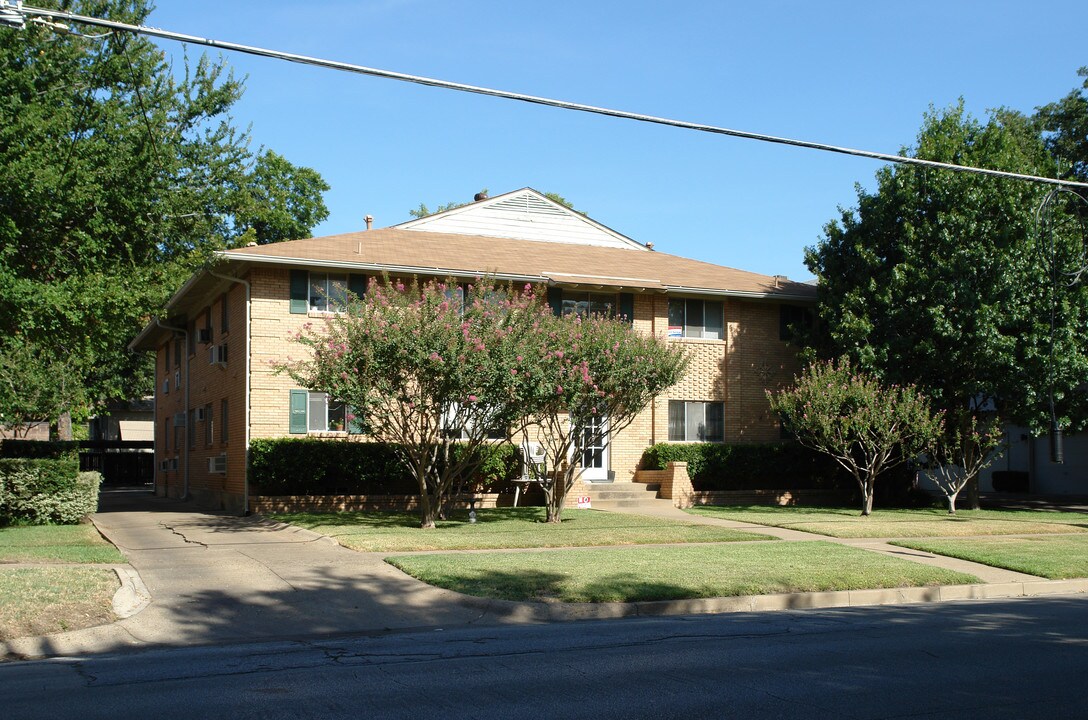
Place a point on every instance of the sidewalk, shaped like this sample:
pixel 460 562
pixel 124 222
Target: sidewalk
pixel 199 578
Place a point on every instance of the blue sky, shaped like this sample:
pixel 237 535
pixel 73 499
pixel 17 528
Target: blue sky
pixel 859 74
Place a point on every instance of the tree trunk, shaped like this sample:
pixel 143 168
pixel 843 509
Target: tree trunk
pixel 867 498
pixel 966 428
pixel 427 509
pixel 557 496
pixel 952 503
pixel 64 426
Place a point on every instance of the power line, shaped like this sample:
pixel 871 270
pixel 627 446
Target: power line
pixel 9 11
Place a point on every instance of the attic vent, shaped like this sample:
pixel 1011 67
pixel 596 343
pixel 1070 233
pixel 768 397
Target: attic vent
pixel 527 204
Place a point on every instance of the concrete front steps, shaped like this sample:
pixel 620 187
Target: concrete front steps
pixel 625 495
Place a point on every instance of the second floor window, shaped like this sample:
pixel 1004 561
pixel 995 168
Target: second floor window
pixel 328 292
pixel 587 303
pixel 695 318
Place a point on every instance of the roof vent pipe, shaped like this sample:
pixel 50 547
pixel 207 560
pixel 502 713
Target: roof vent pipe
pixel 480 196
pixel 369 221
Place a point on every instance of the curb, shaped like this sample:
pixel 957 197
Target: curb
pixel 559 611
pixel 133 596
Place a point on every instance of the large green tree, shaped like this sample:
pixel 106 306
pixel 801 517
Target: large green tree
pixel 121 175
pixel 940 279
pixel 1066 125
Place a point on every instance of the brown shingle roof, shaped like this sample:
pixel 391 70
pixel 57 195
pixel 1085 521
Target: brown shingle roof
pixel 470 255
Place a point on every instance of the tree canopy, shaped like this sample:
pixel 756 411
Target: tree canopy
pixel 122 174
pixel 940 279
pixel 865 426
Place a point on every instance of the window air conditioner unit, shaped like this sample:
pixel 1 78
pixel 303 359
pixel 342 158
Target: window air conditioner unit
pixel 204 335
pixel 173 463
pixel 218 355
pixel 164 465
pixel 177 379
pixel 179 419
pixel 217 464
pixel 166 386
pixel 200 414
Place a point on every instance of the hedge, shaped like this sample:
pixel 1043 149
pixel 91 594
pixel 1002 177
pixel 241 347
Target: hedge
pixel 311 466
pixel 46 492
pixel 52 450
pixel 771 466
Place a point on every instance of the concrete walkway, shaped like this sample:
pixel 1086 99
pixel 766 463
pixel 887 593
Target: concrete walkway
pixel 205 578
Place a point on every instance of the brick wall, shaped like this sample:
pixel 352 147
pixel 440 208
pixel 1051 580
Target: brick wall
pixel 735 370
pixel 208 387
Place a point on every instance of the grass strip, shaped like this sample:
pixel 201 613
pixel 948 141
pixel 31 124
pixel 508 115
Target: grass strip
pixel 503 528
pixel 1056 558
pixel 902 523
pixel 56 543
pixel 670 573
pixel 43 600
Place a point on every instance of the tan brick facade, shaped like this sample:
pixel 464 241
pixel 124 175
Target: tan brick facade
pixel 735 370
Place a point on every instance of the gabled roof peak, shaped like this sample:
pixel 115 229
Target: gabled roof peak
pixel 524 214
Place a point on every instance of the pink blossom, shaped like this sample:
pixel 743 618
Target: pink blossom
pixel 513 371
pixel 400 287
pixel 558 389
pixel 472 398
pixel 519 358
pixel 435 357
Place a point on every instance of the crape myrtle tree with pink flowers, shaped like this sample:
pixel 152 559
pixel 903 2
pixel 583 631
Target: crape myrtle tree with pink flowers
pixel 590 367
pixel 431 369
pixel 867 427
pixel 436 368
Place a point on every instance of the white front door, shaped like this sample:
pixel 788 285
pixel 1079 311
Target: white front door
pixel 593 447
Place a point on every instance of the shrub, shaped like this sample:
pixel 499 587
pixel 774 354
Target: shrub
pixel 52 450
pixel 310 466
pixel 45 492
pixel 771 466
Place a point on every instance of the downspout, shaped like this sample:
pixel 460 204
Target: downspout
pixel 248 380
pixel 185 449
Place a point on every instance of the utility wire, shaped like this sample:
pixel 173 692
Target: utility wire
pixel 7 8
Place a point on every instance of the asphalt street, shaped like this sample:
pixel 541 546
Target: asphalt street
pixel 1022 658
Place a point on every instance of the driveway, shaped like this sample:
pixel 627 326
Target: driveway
pixel 215 578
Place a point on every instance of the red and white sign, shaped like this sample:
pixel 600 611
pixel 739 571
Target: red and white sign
pixel 584 503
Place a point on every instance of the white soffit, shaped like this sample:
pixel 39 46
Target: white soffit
pixel 523 215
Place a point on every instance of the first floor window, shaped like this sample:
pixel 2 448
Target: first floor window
pixel 223 424
pixel 317 412
pixel 695 421
pixel 209 426
pixel 328 292
pixel 324 414
pixel 695 318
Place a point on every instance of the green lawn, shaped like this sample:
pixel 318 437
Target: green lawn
pixel 56 543
pixel 1057 558
pixel 502 528
pixel 43 600
pixel 693 571
pixel 900 523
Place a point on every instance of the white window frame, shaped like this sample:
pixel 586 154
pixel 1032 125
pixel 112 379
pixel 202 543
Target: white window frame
pixel 322 296
pixel 317 413
pixel 688 329
pixel 585 303
pixel 694 420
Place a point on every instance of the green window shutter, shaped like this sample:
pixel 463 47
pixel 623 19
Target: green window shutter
pixel 298 412
pixel 555 299
pixel 355 425
pixel 627 307
pixel 300 291
pixel 357 285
